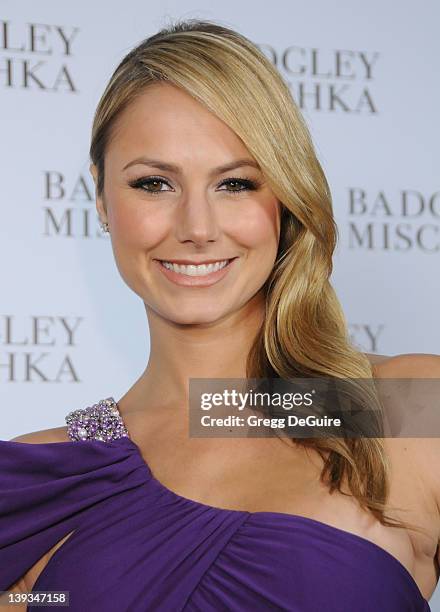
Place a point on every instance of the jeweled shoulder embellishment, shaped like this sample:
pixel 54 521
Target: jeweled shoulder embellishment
pixel 102 421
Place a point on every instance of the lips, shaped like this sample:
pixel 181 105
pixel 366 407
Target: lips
pixel 198 280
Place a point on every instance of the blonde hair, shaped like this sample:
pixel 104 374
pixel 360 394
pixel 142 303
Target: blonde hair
pixel 305 332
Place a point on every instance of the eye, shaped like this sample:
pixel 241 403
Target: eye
pixel 152 180
pixel 246 184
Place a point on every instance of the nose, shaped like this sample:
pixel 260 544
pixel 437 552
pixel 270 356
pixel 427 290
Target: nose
pixel 196 220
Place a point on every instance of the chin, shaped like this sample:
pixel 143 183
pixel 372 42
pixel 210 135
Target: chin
pixel 195 316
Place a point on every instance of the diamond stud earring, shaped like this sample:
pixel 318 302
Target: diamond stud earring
pixel 104 226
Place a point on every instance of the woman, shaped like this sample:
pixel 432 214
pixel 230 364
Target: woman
pixel 200 155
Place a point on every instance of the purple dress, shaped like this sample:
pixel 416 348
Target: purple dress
pixel 139 547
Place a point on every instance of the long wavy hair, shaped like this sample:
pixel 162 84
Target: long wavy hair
pixel 305 333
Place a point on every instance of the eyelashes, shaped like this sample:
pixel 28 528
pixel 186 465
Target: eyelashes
pixel 246 184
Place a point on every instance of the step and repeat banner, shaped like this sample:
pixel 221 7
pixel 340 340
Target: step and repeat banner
pixel 366 79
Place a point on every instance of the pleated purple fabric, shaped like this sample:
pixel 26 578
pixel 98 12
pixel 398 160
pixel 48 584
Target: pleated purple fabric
pixel 139 547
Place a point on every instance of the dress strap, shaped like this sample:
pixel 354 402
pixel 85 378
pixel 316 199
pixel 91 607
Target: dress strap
pixel 101 421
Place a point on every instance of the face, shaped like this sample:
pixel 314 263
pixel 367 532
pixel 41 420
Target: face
pixel 168 197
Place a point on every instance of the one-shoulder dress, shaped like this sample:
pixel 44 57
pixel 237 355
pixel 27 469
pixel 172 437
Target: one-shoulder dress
pixel 137 546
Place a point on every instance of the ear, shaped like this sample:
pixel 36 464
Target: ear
pixel 100 206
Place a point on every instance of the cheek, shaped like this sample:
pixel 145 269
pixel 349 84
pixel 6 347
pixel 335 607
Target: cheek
pixel 137 224
pixel 258 227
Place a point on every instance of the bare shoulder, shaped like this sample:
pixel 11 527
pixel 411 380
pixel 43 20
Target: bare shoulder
pixel 415 366
pixel 43 436
pixel 410 365
pixel 406 365
pixel 422 454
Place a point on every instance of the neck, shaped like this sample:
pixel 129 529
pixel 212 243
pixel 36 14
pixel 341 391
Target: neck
pixel 182 351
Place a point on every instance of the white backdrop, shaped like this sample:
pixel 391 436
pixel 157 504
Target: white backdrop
pixel 366 77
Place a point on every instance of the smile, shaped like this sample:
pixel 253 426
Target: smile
pixel 191 275
pixel 195 270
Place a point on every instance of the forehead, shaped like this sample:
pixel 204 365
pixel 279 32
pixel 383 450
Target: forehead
pixel 167 120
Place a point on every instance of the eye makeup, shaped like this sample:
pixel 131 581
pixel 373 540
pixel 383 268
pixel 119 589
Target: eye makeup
pixel 246 184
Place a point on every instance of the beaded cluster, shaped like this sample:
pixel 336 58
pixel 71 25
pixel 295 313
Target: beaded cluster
pixel 101 421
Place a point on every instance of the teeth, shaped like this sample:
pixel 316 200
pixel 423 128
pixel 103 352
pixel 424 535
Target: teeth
pixel 192 270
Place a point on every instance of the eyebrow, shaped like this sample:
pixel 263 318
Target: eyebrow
pixel 167 167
